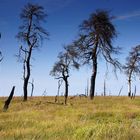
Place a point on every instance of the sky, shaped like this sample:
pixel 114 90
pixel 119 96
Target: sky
pixel 62 23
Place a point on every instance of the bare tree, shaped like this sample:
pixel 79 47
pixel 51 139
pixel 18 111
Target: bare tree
pixel 60 81
pixel 104 87
pixel 87 88
pixel 62 67
pixel 132 66
pixel 0 52
pixel 135 92
pixel 95 40
pixel 32 86
pixel 32 34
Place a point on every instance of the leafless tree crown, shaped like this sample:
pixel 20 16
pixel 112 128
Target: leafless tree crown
pixel 132 66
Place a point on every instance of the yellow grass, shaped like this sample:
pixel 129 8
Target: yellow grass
pixel 104 118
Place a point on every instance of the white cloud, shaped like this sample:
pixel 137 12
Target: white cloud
pixel 127 16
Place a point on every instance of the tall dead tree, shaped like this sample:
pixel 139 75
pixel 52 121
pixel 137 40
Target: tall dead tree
pixel 0 52
pixel 62 67
pixel 95 40
pixel 135 92
pixel 32 34
pixel 1 56
pixel 32 87
pixel 87 88
pixel 132 66
pixel 60 81
pixel 104 87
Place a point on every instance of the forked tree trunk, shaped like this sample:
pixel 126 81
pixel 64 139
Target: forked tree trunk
pixel 129 86
pixel 7 102
pixel 93 78
pixel 27 62
pixel 66 90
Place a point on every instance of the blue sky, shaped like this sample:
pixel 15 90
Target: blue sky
pixel 64 17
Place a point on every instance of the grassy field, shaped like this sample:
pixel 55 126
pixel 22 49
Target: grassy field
pixel 104 118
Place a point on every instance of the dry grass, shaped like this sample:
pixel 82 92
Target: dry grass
pixel 104 118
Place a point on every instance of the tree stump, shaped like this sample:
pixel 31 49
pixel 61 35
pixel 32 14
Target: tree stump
pixel 7 102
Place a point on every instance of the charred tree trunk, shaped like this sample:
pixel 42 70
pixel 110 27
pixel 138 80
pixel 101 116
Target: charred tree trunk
pixel 7 102
pixel 1 56
pixel 94 72
pixel 93 78
pixel 26 79
pixel 0 52
pixel 129 86
pixel 66 90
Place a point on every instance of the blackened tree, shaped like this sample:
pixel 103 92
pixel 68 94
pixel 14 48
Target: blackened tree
pixel 31 33
pixel 62 67
pixel 0 52
pixel 95 40
pixel 132 66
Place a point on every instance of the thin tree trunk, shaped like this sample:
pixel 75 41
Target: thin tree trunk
pixel 7 102
pixel 25 90
pixel 129 86
pixel 87 90
pixel 120 91
pixel 104 88
pixel 32 84
pixel 135 91
pixel 93 78
pixel 66 90
pixel 94 72
pixel 26 80
pixel 58 90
